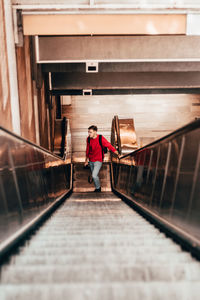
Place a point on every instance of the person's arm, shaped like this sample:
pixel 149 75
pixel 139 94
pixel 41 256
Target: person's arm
pixel 105 143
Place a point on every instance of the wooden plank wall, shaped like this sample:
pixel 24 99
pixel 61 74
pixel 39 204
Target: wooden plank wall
pixel 43 122
pixel 46 117
pixel 154 115
pixel 26 99
pixel 26 92
pixel 27 117
pixel 5 108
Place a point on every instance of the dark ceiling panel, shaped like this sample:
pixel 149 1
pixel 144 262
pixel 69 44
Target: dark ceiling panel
pixel 126 67
pixel 124 80
pixel 128 91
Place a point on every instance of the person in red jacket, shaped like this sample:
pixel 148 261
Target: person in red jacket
pixel 95 155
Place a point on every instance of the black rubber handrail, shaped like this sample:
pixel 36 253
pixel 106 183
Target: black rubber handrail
pixel 63 132
pixel 182 130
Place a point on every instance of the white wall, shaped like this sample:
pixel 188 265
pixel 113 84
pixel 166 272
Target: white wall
pixel 154 115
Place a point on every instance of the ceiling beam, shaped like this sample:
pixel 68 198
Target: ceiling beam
pixel 70 49
pixel 103 24
pixel 125 67
pixel 123 80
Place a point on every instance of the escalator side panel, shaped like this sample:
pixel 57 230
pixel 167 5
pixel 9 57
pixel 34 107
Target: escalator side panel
pixel 31 179
pixel 164 178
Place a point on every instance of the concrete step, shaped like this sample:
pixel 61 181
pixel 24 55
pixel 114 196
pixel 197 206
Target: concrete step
pixel 90 189
pixel 103 181
pixel 80 178
pixel 84 176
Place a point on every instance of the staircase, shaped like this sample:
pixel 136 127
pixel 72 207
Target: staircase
pixel 80 178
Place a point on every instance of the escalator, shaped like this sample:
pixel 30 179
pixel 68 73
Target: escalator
pixel 94 245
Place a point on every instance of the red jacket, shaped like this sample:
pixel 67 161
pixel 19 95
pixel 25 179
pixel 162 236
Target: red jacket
pixel 95 151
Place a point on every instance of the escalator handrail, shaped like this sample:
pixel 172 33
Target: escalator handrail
pixel 64 133
pixel 182 130
pixel 18 137
pixel 118 133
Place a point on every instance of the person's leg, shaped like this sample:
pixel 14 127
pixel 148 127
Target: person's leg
pixel 95 172
pixel 91 165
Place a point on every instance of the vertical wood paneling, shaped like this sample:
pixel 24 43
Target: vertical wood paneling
pixel 26 91
pixel 43 122
pixel 5 108
pixel 27 96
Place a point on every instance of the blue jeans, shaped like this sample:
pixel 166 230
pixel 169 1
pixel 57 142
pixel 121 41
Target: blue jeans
pixel 95 167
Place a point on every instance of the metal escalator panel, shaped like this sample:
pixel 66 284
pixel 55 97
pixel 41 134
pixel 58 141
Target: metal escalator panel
pixel 62 139
pixel 123 135
pixel 162 179
pixel 32 179
pixel 127 135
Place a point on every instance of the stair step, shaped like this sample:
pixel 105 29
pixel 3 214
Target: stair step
pixel 85 179
pixel 98 273
pixel 82 184
pixel 90 189
pixel 92 258
pixel 84 176
pixel 80 178
pixel 123 250
pixel 131 290
pixel 97 241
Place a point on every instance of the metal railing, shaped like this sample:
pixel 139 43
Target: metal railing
pixel 162 178
pixel 62 138
pixel 115 134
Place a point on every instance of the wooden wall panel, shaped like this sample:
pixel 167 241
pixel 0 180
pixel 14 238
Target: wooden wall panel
pixel 43 121
pixel 5 108
pixel 154 115
pixel 26 98
pixel 26 91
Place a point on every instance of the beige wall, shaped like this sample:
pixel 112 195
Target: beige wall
pixel 154 115
pixel 88 24
pixel 5 109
